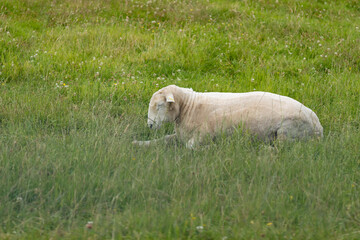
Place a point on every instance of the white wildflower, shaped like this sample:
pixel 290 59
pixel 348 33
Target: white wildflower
pixel 89 225
pixel 200 228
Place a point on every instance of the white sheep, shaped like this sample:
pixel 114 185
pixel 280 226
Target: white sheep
pixel 265 115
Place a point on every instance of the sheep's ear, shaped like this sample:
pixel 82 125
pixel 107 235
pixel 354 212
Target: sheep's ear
pixel 170 98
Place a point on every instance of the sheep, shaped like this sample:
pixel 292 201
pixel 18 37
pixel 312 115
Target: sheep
pixel 267 116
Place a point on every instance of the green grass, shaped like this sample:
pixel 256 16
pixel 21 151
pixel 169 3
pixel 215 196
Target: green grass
pixel 75 81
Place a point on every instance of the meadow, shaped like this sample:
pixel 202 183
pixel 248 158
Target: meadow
pixel 76 77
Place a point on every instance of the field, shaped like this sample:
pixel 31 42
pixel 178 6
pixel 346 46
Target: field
pixel 76 77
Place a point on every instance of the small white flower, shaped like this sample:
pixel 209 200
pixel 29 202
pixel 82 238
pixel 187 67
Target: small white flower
pixel 252 80
pixel 89 225
pixel 19 199
pixel 200 228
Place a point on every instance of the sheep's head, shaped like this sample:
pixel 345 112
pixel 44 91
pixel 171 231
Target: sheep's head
pixel 162 108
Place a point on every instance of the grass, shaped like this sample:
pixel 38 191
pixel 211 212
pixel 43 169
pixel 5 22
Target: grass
pixel 75 81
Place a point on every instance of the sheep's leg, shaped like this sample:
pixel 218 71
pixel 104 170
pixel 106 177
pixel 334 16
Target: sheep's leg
pixel 193 142
pixel 165 139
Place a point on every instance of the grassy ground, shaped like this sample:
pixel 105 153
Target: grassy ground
pixel 75 80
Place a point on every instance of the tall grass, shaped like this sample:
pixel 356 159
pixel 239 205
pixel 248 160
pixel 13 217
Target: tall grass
pixel 75 81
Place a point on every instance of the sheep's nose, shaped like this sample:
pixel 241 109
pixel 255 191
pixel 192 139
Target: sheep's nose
pixel 150 125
